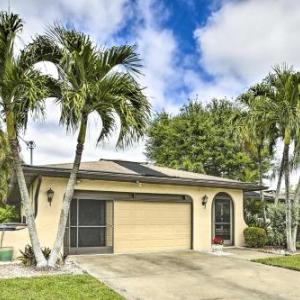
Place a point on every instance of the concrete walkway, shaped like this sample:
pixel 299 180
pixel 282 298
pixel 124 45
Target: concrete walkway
pixel 248 254
pixel 191 275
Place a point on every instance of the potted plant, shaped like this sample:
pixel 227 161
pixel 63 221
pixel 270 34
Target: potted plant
pixel 217 244
pixel 7 214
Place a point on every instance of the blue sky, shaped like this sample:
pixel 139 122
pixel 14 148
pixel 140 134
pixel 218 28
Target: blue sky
pixel 190 48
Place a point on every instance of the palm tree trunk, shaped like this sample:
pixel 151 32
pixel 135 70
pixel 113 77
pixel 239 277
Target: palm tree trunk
pixel 280 175
pixel 296 211
pixel 1 239
pixel 288 205
pixel 58 244
pixel 30 220
pixel 262 196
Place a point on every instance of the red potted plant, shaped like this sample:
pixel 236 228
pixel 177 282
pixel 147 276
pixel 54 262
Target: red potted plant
pixel 217 244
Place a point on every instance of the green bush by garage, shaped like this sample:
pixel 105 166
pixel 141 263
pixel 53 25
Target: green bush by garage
pixel 255 237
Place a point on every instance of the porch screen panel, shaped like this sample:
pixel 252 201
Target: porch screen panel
pixel 91 237
pixel 91 213
pixel 89 225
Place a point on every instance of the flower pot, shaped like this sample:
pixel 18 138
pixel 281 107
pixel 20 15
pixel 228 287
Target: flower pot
pixel 6 253
pixel 217 248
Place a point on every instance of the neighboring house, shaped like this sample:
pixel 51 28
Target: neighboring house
pixel 125 207
pixel 269 196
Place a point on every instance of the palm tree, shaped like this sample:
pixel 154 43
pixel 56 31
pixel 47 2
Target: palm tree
pixel 276 109
pixel 257 133
pixel 282 105
pixel 22 90
pixel 100 81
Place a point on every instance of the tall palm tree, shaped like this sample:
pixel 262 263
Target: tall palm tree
pixel 257 133
pixel 100 81
pixel 276 108
pixel 22 90
pixel 282 105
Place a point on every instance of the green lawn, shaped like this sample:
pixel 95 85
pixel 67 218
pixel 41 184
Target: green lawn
pixel 288 262
pixel 64 287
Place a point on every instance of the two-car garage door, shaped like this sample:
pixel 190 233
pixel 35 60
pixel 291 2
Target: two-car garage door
pixel 143 226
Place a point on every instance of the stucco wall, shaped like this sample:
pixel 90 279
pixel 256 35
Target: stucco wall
pixel 48 216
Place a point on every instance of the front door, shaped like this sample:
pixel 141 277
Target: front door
pixel 223 219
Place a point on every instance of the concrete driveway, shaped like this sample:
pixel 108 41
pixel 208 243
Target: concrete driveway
pixel 191 275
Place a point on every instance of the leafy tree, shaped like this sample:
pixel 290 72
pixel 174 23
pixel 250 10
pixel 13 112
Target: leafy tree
pixel 202 139
pixel 22 90
pixel 100 81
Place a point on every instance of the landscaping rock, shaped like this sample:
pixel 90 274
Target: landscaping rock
pixel 16 269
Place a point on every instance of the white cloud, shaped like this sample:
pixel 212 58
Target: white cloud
pixel 244 39
pixel 207 90
pixel 54 145
pixel 100 19
pixel 158 49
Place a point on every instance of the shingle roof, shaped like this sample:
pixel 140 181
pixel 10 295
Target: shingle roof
pixel 131 170
pixel 138 168
pixel 101 165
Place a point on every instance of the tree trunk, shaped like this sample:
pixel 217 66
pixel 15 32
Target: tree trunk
pixel 289 240
pixel 262 196
pixel 58 244
pixel 30 220
pixel 280 175
pixel 296 209
pixel 1 239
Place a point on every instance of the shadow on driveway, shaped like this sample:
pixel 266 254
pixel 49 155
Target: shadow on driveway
pixel 191 275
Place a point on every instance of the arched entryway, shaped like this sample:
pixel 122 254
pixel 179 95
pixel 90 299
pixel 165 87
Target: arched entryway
pixel 222 218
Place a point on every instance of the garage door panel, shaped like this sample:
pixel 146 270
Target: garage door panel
pixel 151 221
pixel 141 244
pixel 155 236
pixel 149 210
pixel 152 226
pixel 167 229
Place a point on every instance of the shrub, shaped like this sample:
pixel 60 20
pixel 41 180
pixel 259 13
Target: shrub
pixel 255 237
pixel 253 212
pixel 27 256
pixel 277 225
pixel 8 214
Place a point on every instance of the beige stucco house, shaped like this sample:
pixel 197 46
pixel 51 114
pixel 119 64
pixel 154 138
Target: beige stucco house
pixel 127 207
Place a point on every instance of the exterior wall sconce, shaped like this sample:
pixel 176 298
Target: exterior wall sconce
pixel 204 200
pixel 139 183
pixel 50 195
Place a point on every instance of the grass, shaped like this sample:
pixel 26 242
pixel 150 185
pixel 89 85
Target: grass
pixel 289 262
pixel 67 287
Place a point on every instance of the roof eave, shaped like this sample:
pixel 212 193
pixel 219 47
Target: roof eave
pixel 97 175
